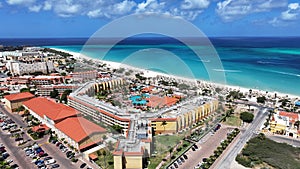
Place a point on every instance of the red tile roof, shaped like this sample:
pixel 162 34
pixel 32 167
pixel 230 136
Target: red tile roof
pixel 40 127
pixel 93 156
pixel 155 101
pixel 78 128
pixel 55 111
pixel 293 117
pixel 19 96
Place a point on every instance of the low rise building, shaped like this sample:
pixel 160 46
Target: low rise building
pixel 67 124
pixel 83 76
pixel 45 90
pixel 14 101
pixel 284 123
pixel 19 68
pixel 47 80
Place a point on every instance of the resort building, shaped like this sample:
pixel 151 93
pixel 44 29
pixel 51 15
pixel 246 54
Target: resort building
pixel 83 76
pixel 284 123
pixel 132 152
pixel 80 133
pixel 19 80
pixel 184 116
pixel 47 80
pixel 19 68
pixel 166 116
pixel 83 100
pixel 49 112
pixel 67 124
pixel 45 90
pixel 14 101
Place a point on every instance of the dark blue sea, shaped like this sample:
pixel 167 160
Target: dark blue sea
pixel 265 63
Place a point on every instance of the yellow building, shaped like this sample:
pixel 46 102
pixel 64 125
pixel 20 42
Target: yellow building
pixel 279 124
pixel 164 125
pixel 13 101
pixel 185 117
pixel 132 152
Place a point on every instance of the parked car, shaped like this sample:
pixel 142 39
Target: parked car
pixel 185 156
pixel 28 152
pixel 15 166
pixel 9 161
pixel 54 165
pixel 179 162
pixel 5 155
pixel 82 165
pixel 175 165
pixel 47 158
pixel 51 161
pixel 181 159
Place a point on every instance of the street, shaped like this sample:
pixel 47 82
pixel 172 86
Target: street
pixel 285 139
pixel 207 145
pixel 18 155
pixel 225 160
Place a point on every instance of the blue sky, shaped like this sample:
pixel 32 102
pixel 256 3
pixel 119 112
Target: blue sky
pixel 81 18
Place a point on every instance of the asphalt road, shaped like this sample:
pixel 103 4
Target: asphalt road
pixel 207 145
pixel 285 139
pixel 16 153
pixel 229 156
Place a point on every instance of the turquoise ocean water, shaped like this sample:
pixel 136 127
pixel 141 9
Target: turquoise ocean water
pixel 270 66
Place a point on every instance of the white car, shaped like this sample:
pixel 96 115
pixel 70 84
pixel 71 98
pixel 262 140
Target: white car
pixel 9 161
pixel 34 160
pixel 51 161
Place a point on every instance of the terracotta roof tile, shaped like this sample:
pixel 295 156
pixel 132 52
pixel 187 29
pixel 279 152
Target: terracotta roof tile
pixel 55 111
pixel 78 128
pixel 293 117
pixel 19 96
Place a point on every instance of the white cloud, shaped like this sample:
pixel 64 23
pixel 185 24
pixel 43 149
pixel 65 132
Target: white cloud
pixel 95 13
pixel 188 9
pixel 230 10
pixel 67 10
pixel 150 6
pixel 123 7
pixel 20 2
pixel 47 6
pixel 195 4
pixel 290 15
pixel 292 12
pixel 35 8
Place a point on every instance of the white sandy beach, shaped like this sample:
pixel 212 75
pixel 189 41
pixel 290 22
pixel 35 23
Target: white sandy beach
pixel 149 73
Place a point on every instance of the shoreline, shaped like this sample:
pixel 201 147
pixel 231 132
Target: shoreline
pixel 150 73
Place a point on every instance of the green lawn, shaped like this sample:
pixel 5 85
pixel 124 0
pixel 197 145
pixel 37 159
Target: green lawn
pixel 263 150
pixel 163 142
pixel 106 162
pixel 162 146
pixel 233 120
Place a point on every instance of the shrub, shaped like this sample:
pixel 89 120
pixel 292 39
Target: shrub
pixel 244 161
pixel 74 160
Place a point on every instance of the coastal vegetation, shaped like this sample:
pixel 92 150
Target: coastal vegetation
pixel 64 54
pixel 261 150
pixel 246 117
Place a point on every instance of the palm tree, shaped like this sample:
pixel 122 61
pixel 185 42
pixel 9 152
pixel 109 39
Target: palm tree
pixel 164 123
pixel 104 155
pixel 170 151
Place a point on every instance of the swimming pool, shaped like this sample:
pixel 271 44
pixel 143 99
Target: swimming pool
pixel 138 99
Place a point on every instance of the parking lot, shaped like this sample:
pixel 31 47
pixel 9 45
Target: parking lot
pixel 206 147
pixel 31 154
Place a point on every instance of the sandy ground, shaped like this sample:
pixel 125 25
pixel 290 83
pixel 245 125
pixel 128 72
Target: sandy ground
pixel 148 73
